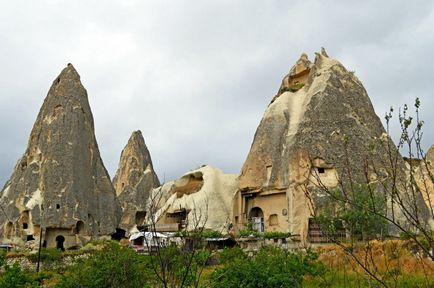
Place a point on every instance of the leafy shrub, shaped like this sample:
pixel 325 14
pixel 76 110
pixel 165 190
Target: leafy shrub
pixel 47 255
pixel 271 267
pixel 275 234
pixel 13 276
pixel 113 266
pixel 228 255
pixel 206 233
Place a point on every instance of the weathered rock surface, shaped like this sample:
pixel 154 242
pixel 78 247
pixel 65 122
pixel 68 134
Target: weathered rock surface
pixel 315 119
pixel 321 123
pixel 424 176
pixel 200 198
pixel 134 180
pixel 60 183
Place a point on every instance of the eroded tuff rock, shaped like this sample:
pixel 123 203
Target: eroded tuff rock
pixel 321 122
pixel 424 176
pixel 60 183
pixel 134 180
pixel 201 198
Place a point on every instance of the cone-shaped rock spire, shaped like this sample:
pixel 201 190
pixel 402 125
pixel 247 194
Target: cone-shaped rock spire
pixel 321 122
pixel 134 180
pixel 60 183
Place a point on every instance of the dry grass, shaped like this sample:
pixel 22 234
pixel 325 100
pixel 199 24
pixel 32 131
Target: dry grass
pixel 383 258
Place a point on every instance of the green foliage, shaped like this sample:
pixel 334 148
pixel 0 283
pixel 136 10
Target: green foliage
pixel 249 232
pixel 228 255
pixel 177 267
pixel 275 234
pixel 359 213
pixel 47 255
pixel 113 266
pixel 206 233
pixel 13 276
pixel 271 267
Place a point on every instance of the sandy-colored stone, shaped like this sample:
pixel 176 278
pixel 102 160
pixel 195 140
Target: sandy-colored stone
pixel 311 134
pixel 200 198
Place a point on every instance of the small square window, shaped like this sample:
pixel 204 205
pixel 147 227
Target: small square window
pixel 321 170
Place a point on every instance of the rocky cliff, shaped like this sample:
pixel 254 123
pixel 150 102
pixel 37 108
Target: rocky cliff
pixel 60 183
pixel 320 128
pixel 134 180
pixel 317 107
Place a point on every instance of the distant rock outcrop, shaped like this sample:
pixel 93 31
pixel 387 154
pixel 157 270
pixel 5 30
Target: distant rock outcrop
pixel 321 123
pixel 60 184
pixel 134 180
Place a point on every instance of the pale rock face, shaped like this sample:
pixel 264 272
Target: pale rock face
pixel 320 122
pixel 60 183
pixel 134 180
pixel 205 195
pixel 424 176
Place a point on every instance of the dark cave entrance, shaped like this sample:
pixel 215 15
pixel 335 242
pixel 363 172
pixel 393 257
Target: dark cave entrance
pixel 60 240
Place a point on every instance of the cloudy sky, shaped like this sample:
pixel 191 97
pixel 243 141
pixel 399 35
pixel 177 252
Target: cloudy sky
pixel 196 76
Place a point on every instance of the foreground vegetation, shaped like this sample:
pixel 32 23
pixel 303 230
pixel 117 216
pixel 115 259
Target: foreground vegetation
pixel 112 265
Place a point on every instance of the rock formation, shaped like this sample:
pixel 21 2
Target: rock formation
pixel 134 180
pixel 200 199
pixel 60 183
pixel 424 176
pixel 320 123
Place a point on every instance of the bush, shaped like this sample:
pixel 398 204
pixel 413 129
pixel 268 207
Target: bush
pixel 47 254
pixel 231 254
pixel 113 266
pixel 13 276
pixel 271 267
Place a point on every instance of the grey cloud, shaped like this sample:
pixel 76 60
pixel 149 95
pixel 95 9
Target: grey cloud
pixel 196 76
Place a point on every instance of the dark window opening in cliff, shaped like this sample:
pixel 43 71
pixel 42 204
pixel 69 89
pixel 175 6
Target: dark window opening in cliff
pixel 57 206
pixel 119 234
pixel 60 240
pixel 321 170
pixel 140 218
pixel 24 219
pixel 44 244
pixel 80 228
pixel 30 238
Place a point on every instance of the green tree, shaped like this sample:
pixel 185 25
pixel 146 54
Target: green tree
pixel 113 266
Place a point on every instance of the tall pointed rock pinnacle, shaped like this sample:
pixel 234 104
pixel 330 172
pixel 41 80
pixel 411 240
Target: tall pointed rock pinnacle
pixel 320 124
pixel 134 180
pixel 60 184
